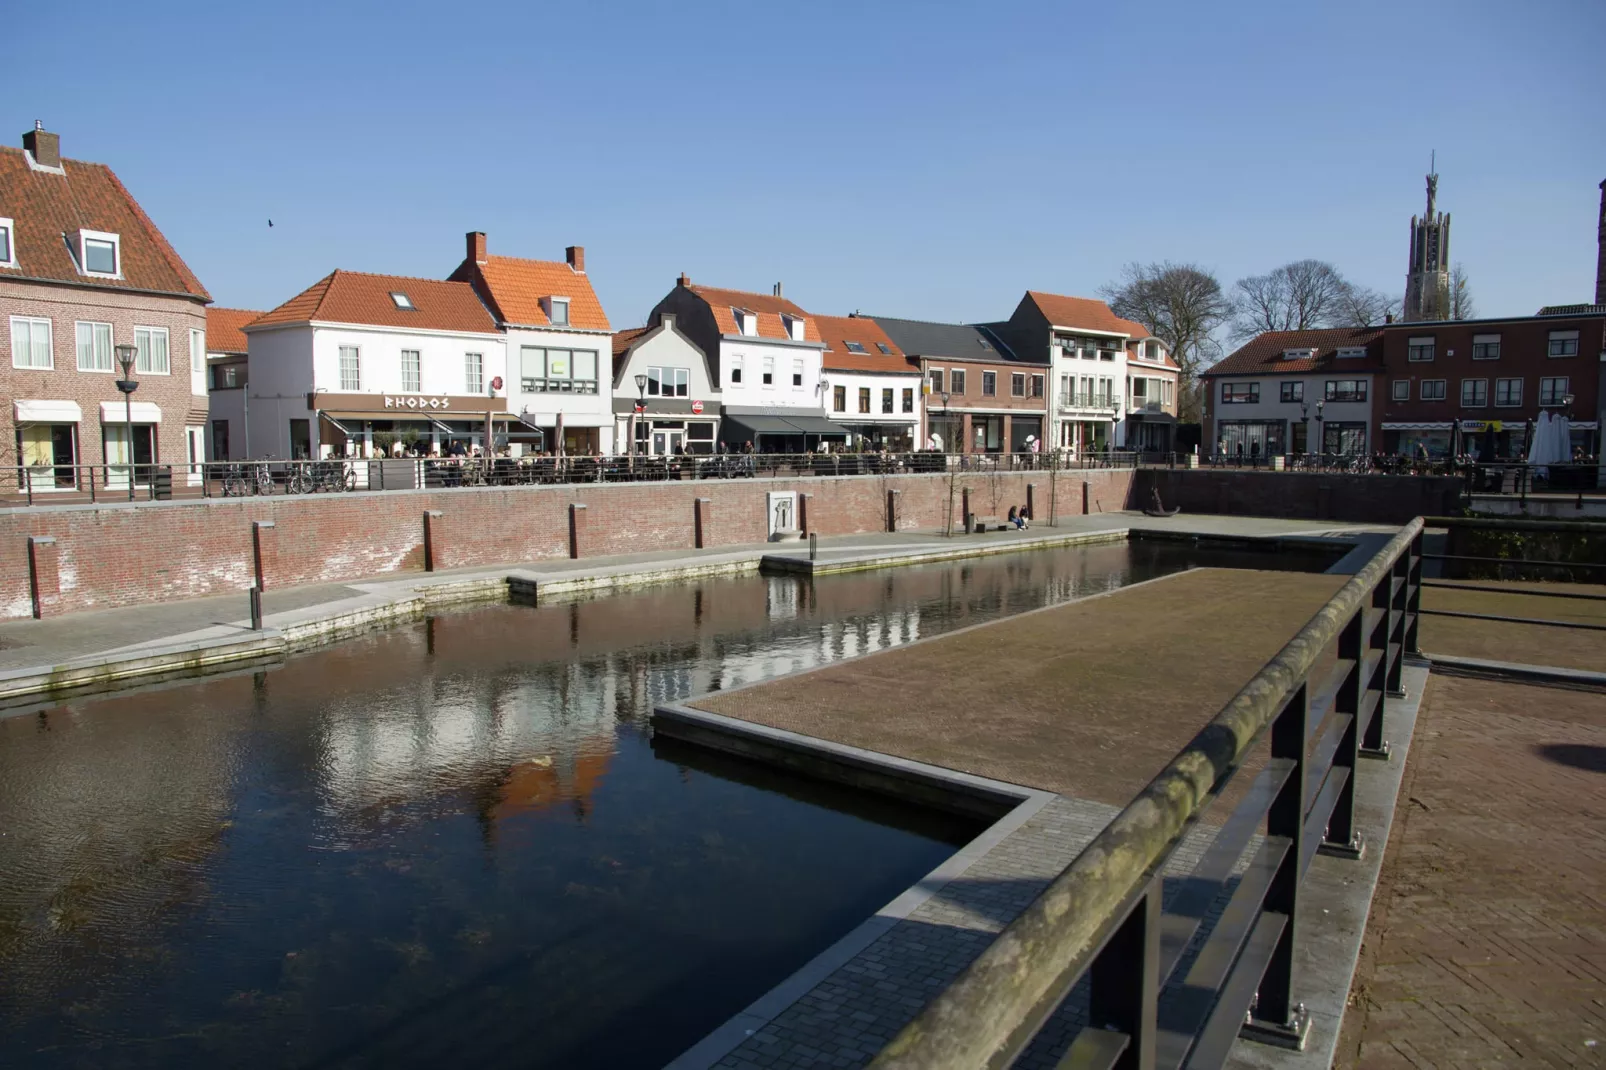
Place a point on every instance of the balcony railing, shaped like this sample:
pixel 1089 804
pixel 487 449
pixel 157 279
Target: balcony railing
pixel 1090 399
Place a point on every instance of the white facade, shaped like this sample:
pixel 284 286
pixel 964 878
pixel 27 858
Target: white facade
pixel 793 367
pixel 1087 389
pixel 1328 411
pixel 541 386
pixel 902 391
pixel 287 363
pixel 669 422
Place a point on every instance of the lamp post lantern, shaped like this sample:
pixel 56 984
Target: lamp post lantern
pixel 641 407
pixel 127 384
pixel 947 448
pixel 1321 443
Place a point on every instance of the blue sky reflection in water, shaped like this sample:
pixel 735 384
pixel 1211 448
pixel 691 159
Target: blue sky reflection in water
pixel 454 843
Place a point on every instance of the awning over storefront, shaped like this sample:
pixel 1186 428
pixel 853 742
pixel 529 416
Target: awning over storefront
pixel 35 410
pixel 141 412
pixel 1443 425
pixel 1152 417
pixel 770 424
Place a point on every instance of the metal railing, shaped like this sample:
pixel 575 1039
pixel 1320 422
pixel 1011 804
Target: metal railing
pixel 74 484
pixel 1103 918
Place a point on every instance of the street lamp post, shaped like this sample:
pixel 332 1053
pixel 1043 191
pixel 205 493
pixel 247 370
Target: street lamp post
pixel 946 426
pixel 127 384
pixel 641 407
pixel 1321 443
pixel 1304 421
pixel 1115 418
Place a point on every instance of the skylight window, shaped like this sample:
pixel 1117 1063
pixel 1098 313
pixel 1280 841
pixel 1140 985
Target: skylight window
pixel 403 301
pixel 984 343
pixel 855 347
pixel 884 348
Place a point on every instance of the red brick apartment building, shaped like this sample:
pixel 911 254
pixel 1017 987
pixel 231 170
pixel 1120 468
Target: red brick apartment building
pixel 83 270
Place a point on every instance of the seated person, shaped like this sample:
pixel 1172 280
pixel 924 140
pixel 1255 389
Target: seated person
pixel 1017 517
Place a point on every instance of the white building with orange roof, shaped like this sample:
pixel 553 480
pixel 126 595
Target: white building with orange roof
pixel 766 356
pixel 872 388
pixel 559 347
pixel 359 361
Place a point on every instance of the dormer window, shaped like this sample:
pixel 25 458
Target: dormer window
pixel 794 328
pixel 403 302
pixel 1299 354
pixel 558 311
pixel 1351 352
pixel 855 347
pixel 99 254
pixel 746 322
pixel 8 246
pixel 1151 350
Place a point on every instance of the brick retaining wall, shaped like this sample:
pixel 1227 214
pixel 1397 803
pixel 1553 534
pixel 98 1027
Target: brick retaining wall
pixel 1368 499
pixel 117 555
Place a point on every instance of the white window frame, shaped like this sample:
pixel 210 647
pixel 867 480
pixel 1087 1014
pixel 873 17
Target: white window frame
pixel 413 383
pixel 1474 404
pixel 10 258
pixel 767 379
pixel 78 346
pixel 1415 345
pixel 668 382
pixel 1554 395
pixel 553 304
pixel 197 362
pixel 797 373
pixel 144 359
pixel 1351 353
pixel 474 373
pixel 1441 388
pixel 1299 354
pixel 1400 390
pixel 1514 400
pixel 354 383
pixel 402 301
pixel 116 241
pixel 736 370
pixel 794 327
pixel 746 322
pixel 1563 337
pixel 1489 343
pixel 50 344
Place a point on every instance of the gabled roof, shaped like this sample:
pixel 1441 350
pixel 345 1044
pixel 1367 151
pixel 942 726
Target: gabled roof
pixel 623 340
pixel 223 334
pixel 838 331
pixel 514 287
pixel 44 206
pixel 950 341
pixel 362 299
pixel 1087 313
pixel 1263 354
pixel 768 308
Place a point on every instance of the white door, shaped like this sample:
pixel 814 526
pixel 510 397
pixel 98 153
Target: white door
pixel 195 451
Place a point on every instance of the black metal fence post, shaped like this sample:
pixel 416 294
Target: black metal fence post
pixel 1399 606
pixel 1341 838
pixel 1372 743
pixel 1124 984
pixel 1413 605
pixel 1277 1018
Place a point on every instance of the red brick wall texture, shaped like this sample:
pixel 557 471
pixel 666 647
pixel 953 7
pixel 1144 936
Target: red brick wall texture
pixel 119 555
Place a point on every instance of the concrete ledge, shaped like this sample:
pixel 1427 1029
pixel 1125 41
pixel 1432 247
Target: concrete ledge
pixel 1445 663
pixel 1012 805
pixel 970 546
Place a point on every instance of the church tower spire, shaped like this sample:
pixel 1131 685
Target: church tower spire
pixel 1600 265
pixel 1427 277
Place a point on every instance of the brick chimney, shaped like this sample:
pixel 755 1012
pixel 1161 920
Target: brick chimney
pixel 576 255
pixel 476 246
pixel 684 280
pixel 44 147
pixel 1600 264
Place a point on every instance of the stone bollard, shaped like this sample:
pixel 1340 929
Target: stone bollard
pixel 434 540
pixel 702 515
pixel 577 529
pixel 264 551
pixel 44 575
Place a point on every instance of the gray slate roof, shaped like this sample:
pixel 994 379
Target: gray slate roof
pixel 963 341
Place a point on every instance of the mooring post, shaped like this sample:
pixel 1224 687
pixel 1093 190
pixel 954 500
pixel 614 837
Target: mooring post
pixel 814 545
pixel 256 608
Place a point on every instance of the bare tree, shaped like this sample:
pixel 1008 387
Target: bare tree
pixel 1461 304
pixel 1294 297
pixel 1183 305
pixel 1359 306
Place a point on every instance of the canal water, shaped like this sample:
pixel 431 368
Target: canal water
pixel 455 843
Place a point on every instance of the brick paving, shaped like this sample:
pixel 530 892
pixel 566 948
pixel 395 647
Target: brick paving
pixel 1486 944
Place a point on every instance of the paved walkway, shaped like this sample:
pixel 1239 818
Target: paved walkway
pixel 29 644
pixel 1486 944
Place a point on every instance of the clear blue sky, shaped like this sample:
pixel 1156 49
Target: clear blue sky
pixel 923 160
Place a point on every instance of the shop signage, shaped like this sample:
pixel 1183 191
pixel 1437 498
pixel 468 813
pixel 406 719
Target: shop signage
pixel 402 404
pixel 496 383
pixel 697 408
pixel 1483 425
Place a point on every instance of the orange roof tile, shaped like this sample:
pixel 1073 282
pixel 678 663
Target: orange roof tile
pixel 223 334
pixel 359 298
pixel 1263 354
pixel 769 310
pixel 514 288
pixel 1085 312
pixel 622 340
pixel 838 331
pixel 44 205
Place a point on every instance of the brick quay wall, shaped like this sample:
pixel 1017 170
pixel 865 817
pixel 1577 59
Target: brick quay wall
pixel 1361 499
pixel 70 558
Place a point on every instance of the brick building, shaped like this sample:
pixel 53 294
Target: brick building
pixel 83 269
pixel 981 398
pixel 1493 376
pixel 1295 392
